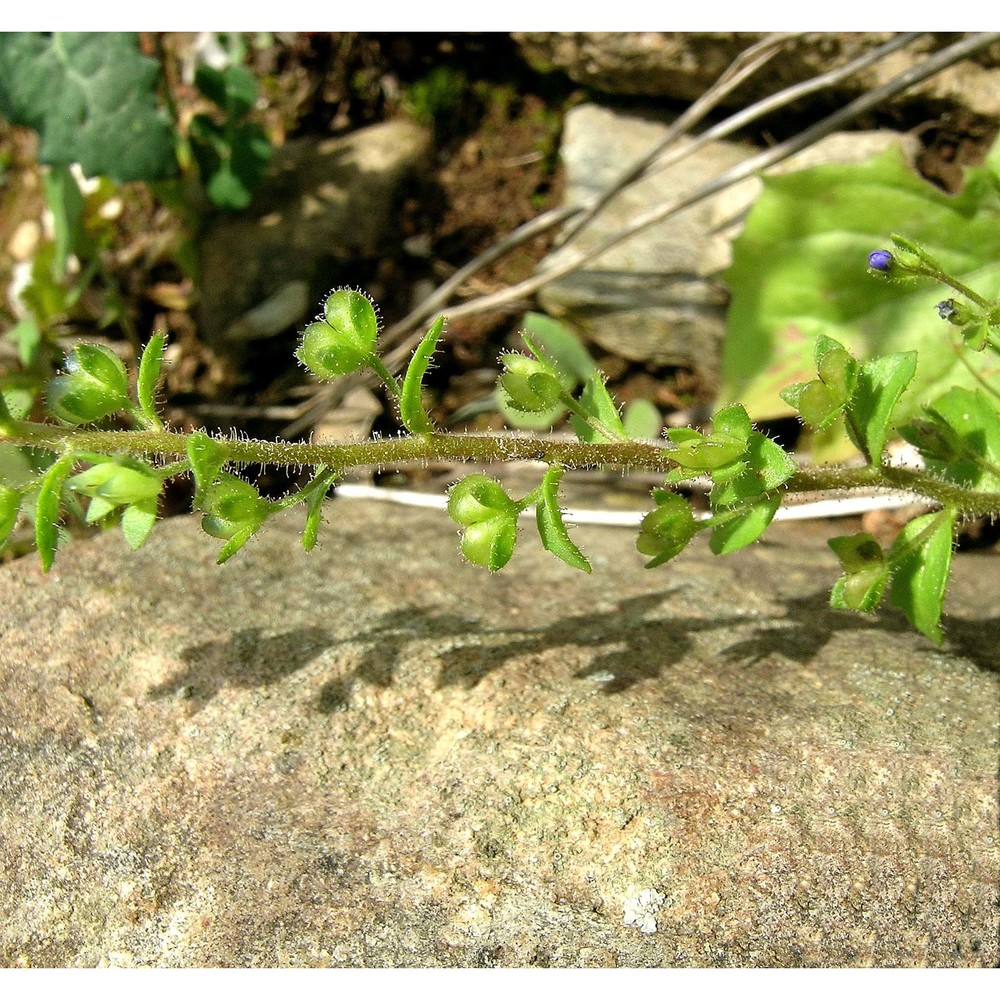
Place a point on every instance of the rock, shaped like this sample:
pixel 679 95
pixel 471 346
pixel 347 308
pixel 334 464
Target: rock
pixel 375 755
pixel 658 297
pixel 322 201
pixel 683 65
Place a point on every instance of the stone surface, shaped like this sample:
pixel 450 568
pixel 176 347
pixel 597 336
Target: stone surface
pixel 337 759
pixel 658 297
pixel 322 201
pixel 683 65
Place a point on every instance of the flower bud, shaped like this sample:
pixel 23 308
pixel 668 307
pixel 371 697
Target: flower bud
pixel 531 385
pixel 344 340
pixel 94 386
pixel 880 260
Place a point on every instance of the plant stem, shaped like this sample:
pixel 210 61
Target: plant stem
pixel 482 449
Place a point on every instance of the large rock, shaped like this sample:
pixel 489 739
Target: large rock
pixel 683 65
pixel 658 297
pixel 376 755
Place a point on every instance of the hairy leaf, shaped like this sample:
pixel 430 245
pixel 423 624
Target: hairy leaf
pixel 921 561
pixel 551 527
pixel 411 403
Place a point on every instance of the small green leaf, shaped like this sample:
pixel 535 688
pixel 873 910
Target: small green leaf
pixel 236 542
pixel 10 509
pixel 960 438
pixel 735 530
pixel 551 526
pixel 596 401
pixel 411 404
pixel 207 457
pixel 122 481
pixel 234 89
pixel 642 421
pixel 880 383
pixel 47 510
pixel 921 562
pixel 137 522
pixel 726 445
pixel 149 376
pixel 317 490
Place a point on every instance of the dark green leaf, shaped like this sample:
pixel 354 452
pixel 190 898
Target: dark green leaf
pixel 551 527
pixel 411 403
pixel 233 89
pixel 92 98
pixel 921 562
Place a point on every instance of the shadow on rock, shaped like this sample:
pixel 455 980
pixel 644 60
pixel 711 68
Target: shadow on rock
pixel 247 659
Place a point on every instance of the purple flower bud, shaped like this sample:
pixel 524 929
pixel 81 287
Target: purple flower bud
pixel 880 260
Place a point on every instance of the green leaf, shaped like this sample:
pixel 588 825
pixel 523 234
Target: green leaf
pixel 735 530
pixel 866 573
pixel 149 376
pixel 122 481
pixel 137 522
pixel 596 401
pixel 10 509
pixel 870 412
pixel 961 439
pixel 316 490
pixel 231 159
pixel 800 271
pixel 207 457
pixel 233 89
pixel 551 526
pixel 92 98
pixel 764 467
pixel 921 561
pixel 411 403
pixel 642 421
pixel 48 507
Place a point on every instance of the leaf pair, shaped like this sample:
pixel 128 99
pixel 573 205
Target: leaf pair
pixel 867 393
pixel 746 468
pixel 915 569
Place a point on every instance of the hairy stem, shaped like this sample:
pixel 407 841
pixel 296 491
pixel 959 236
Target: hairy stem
pixel 483 449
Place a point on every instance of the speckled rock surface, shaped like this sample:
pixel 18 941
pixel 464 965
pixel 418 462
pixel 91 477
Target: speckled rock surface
pixel 325 760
